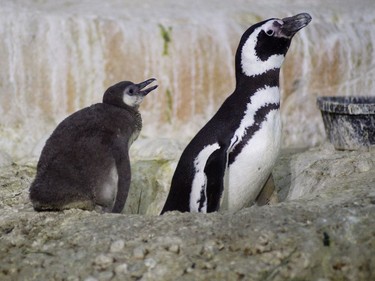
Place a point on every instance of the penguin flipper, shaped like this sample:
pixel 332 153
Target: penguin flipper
pixel 121 155
pixel 215 172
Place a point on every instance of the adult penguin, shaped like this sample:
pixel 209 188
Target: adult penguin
pixel 228 162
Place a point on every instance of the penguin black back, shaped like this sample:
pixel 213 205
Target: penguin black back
pixel 85 162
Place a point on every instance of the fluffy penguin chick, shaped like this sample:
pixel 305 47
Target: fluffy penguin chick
pixel 228 162
pixel 85 162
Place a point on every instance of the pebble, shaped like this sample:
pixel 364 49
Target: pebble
pixel 105 275
pixel 208 265
pixel 363 165
pixel 121 269
pixel 208 253
pixel 210 245
pixel 117 246
pixel 220 245
pixel 90 278
pixel 150 263
pixel 139 252
pixel 189 269
pixel 103 261
pixel 137 270
pixel 174 248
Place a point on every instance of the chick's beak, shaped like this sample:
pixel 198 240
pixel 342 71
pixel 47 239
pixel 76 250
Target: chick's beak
pixel 144 84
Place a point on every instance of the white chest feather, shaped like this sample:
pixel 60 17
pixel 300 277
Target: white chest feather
pixel 246 176
pixel 106 188
pixel 133 137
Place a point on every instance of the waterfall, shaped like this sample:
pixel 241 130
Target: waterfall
pixel 57 58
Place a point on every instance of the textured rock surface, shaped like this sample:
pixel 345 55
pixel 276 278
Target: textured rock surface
pixel 153 164
pixel 327 233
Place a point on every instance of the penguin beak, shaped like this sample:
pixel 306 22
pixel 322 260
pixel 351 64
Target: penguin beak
pixel 292 24
pixel 144 84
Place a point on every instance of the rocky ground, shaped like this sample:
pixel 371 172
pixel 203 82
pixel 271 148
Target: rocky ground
pixel 323 229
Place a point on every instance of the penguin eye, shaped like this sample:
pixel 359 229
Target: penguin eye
pixel 270 32
pixel 131 91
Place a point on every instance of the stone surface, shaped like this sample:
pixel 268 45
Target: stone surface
pixel 153 164
pixel 327 232
pixel 5 159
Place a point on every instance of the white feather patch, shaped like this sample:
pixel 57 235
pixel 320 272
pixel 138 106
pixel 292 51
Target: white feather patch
pixel 200 179
pixel 245 176
pixel 251 64
pixel 262 97
pixel 132 100
pixel 248 174
pixel 106 190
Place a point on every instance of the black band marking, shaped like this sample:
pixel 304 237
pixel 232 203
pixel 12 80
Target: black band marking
pixel 259 118
pixel 202 199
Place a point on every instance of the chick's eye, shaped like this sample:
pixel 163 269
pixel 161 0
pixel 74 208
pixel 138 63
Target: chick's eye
pixel 270 32
pixel 131 91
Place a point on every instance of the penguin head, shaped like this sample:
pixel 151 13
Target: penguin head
pixel 128 94
pixel 264 45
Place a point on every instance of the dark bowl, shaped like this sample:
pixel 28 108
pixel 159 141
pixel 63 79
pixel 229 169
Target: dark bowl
pixel 349 122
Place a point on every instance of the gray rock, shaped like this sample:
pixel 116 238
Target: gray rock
pixel 5 159
pixel 117 246
pixel 150 263
pixel 103 261
pixel 153 164
pixel 121 269
pixel 139 252
pixel 174 248
pixel 323 232
pixel 90 278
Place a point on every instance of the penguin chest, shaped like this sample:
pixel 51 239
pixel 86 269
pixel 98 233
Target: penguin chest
pixel 253 161
pixel 133 137
pixel 106 187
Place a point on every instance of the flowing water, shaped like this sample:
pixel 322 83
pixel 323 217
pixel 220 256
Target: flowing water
pixel 59 56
